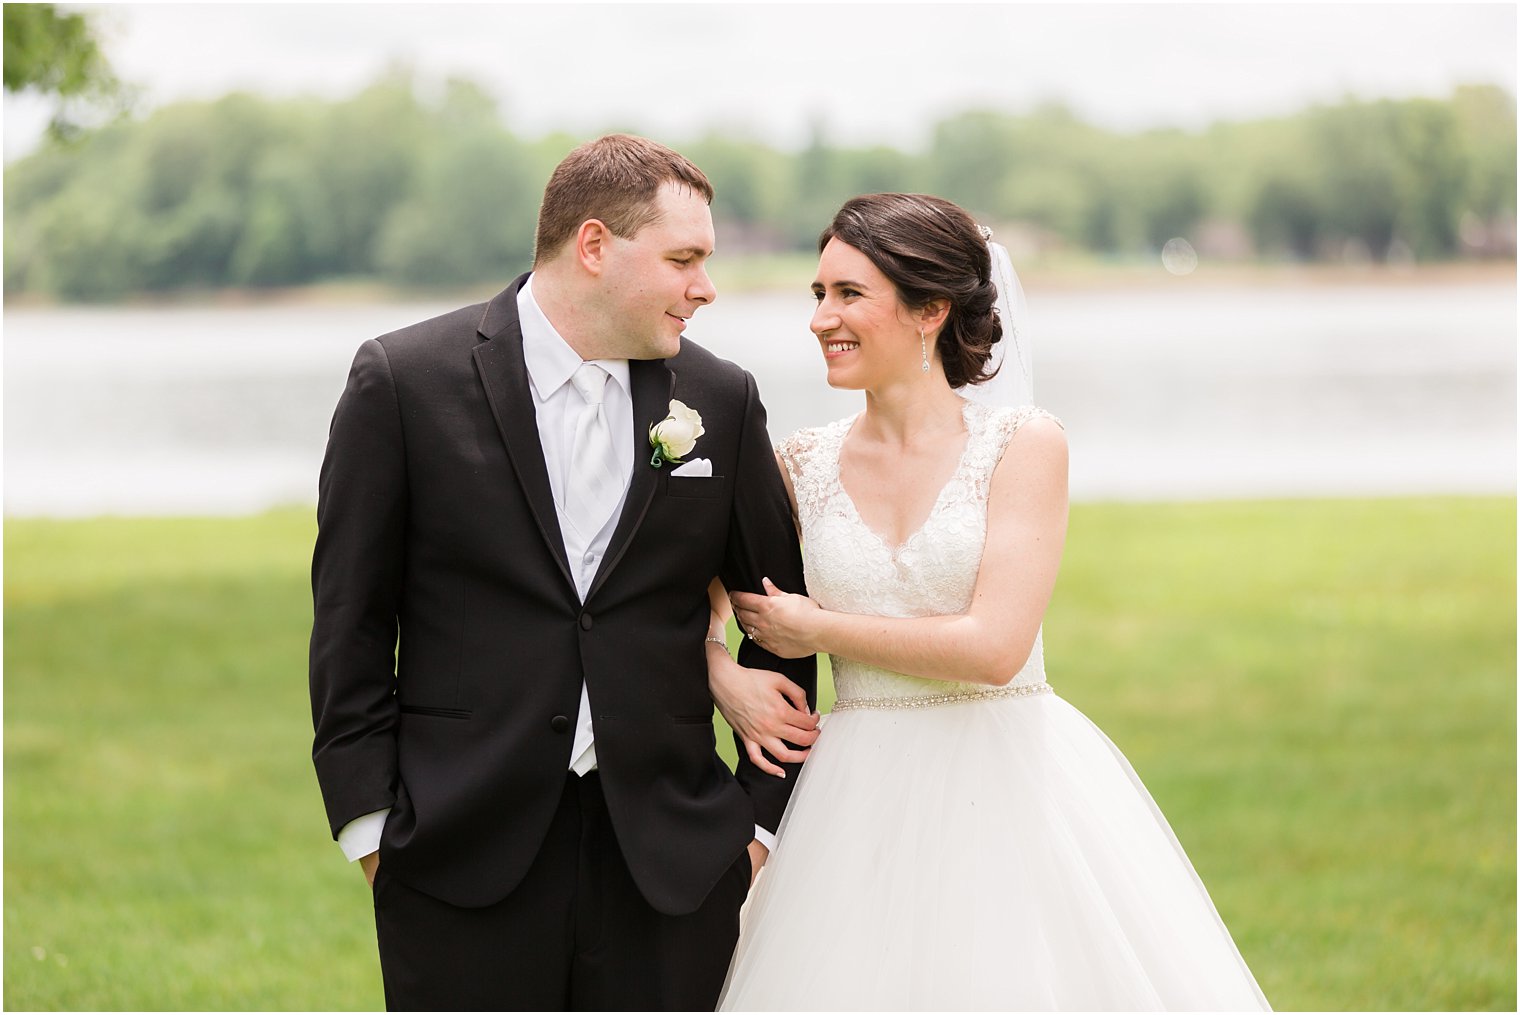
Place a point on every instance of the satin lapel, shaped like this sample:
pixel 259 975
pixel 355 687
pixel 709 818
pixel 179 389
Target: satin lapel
pixel 652 384
pixel 505 378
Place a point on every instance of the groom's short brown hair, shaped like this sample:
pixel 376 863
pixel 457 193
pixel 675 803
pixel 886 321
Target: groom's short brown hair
pixel 613 179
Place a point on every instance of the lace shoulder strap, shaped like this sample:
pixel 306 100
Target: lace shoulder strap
pixel 993 430
pixel 1007 422
pixel 807 456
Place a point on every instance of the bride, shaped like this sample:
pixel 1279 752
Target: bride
pixel 960 837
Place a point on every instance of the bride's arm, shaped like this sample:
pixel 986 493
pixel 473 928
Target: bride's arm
pixel 991 641
pixel 765 709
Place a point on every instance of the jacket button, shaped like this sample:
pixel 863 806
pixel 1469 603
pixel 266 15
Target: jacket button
pixel 559 723
pixel 585 621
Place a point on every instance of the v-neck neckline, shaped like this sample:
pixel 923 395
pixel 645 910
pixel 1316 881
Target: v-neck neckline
pixel 960 464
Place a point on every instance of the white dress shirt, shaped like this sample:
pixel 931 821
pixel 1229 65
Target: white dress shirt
pixel 551 362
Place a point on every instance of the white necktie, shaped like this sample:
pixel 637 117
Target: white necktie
pixel 595 483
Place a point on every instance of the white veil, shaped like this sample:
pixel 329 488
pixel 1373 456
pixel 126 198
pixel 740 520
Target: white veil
pixel 1013 384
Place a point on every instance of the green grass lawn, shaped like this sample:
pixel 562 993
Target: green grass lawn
pixel 1320 695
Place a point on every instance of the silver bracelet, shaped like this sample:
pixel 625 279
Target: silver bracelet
pixel 718 641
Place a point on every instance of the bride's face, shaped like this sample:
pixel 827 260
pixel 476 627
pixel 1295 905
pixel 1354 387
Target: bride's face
pixel 868 337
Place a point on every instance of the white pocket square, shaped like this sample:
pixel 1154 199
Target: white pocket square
pixel 695 467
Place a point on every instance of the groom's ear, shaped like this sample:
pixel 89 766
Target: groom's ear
pixel 591 242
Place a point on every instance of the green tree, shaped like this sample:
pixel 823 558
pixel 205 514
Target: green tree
pixel 879 170
pixel 192 173
pixel 285 237
pixel 473 205
pixel 55 53
pixel 1485 118
pixel 751 195
pixel 1060 178
pixel 972 154
pixel 437 191
pixel 367 156
pixel 470 219
pixel 1286 218
pixel 1433 174
pixel 1165 185
pixel 1357 156
pixel 94 246
pixel 817 186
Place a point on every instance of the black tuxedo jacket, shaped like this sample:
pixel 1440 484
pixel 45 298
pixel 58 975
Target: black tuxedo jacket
pixel 436 526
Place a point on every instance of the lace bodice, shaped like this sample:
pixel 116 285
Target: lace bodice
pixel 851 569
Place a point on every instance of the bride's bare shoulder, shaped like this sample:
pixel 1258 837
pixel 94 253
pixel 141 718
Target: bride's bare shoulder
pixel 1028 427
pixel 1034 450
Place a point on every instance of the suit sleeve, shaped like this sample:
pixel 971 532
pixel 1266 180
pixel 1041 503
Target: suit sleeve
pixel 356 575
pixel 762 543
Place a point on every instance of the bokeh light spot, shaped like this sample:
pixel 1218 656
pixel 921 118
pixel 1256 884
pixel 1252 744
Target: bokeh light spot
pixel 1178 256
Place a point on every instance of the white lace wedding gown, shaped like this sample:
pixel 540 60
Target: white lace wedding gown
pixel 955 846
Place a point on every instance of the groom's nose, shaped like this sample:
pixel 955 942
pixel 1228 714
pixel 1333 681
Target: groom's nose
pixel 702 290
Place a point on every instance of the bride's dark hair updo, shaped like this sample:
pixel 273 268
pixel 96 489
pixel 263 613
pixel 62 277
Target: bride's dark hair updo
pixel 930 249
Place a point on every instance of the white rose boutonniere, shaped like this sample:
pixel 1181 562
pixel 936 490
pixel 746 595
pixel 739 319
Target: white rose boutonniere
pixel 674 436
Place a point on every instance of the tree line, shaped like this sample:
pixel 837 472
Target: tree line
pixel 435 190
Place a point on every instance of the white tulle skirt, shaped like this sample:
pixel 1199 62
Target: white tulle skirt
pixel 981 855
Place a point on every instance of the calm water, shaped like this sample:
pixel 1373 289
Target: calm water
pixel 1166 393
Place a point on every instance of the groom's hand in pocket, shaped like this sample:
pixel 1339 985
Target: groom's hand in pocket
pixel 371 863
pixel 757 857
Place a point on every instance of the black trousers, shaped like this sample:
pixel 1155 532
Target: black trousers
pixel 575 935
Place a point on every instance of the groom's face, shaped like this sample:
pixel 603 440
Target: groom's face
pixel 655 281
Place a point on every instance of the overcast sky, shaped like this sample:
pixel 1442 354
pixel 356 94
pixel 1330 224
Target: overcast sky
pixel 873 73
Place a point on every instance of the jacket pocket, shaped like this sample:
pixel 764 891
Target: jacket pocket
pixel 694 486
pixel 438 713
pixel 692 720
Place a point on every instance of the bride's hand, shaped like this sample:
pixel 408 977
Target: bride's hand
pixel 777 621
pixel 765 709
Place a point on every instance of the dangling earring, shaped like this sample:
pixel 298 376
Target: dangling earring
pixel 924 347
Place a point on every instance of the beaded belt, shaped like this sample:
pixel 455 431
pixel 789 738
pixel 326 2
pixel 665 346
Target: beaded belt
pixel 930 700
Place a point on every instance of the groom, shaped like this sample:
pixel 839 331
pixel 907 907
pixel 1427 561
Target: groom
pixel 508 671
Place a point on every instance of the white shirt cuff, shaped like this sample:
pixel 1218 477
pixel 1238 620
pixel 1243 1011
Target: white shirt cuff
pixel 361 836
pixel 766 839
